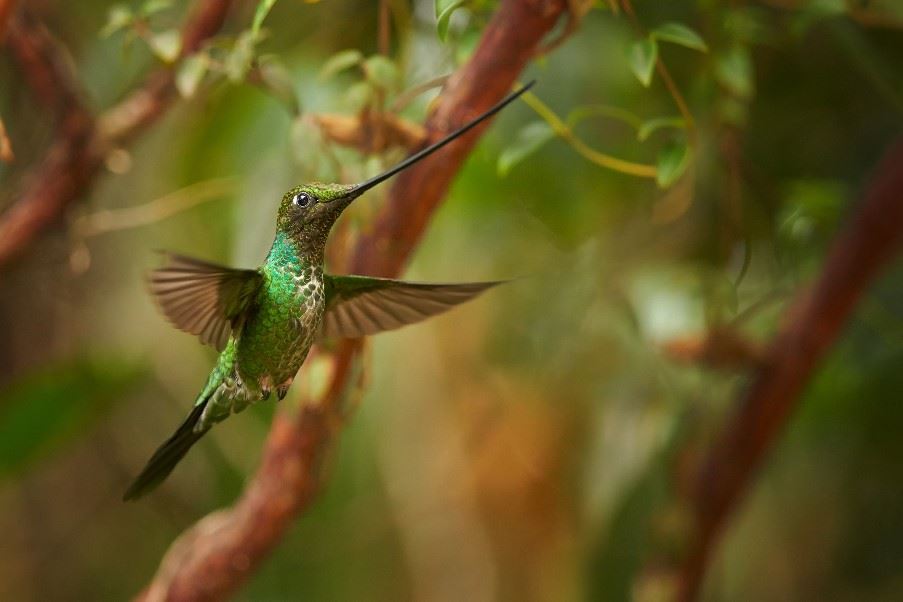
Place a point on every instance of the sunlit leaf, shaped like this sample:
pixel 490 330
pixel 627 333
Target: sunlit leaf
pixel 381 71
pixel 658 123
pixel 190 73
pixel 358 95
pixel 263 9
pixel 151 7
pixel 166 45
pixel 340 61
pixel 672 162
pixel 43 410
pixel 642 56
pixel 119 17
pixel 444 10
pixel 530 139
pixel 678 33
pixel 238 61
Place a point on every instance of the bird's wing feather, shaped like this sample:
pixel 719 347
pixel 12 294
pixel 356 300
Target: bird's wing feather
pixel 203 298
pixel 358 306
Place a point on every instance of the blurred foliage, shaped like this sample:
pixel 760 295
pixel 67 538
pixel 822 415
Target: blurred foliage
pixel 45 409
pixel 675 177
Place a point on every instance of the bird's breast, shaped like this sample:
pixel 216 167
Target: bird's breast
pixel 279 333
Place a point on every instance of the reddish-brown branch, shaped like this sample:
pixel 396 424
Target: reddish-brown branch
pixel 217 555
pixel 81 144
pixel 869 242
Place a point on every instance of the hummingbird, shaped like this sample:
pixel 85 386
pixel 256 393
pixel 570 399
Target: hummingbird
pixel 264 321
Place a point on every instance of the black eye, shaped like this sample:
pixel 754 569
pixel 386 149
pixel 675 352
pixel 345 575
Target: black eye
pixel 302 199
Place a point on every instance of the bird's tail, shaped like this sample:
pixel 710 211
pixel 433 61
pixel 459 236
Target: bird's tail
pixel 168 455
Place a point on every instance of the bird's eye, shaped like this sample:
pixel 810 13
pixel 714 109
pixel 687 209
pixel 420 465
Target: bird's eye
pixel 302 199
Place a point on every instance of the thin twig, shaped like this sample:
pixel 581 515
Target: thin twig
pixel 6 9
pixel 563 131
pixel 663 72
pixel 6 147
pixel 109 220
pixel 77 156
pixel 870 241
pixel 213 558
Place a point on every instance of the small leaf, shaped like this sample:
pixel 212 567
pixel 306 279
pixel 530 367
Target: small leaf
pixel 306 141
pixel 263 9
pixel 238 61
pixel 443 16
pixel 643 55
pixel 44 409
pixel 278 82
pixel 653 125
pixel 734 71
pixel 827 7
pixel 672 162
pixel 340 61
pixel 166 45
pixel 119 17
pixel 151 7
pixel 530 139
pixel 381 71
pixel 678 33
pixel 190 73
pixel 358 95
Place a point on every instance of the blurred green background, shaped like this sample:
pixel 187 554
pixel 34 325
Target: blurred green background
pixel 535 444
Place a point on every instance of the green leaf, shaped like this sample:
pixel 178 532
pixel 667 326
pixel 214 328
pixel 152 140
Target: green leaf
pixel 734 71
pixel 166 45
pixel 658 123
pixel 340 61
pixel 190 73
pixel 530 139
pixel 45 409
pixel 443 16
pixel 672 163
pixel 642 57
pixel 263 9
pixel 119 17
pixel 358 95
pixel 827 7
pixel 678 33
pixel 306 140
pixel 151 7
pixel 381 71
pixel 238 61
pixel 278 81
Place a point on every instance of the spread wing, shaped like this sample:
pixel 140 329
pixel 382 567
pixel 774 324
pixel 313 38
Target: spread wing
pixel 203 298
pixel 357 306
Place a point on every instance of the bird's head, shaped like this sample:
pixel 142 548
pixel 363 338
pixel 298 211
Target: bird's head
pixel 308 212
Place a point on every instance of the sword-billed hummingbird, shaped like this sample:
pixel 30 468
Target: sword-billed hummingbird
pixel 264 321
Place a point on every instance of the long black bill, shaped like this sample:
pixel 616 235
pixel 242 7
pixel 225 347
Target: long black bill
pixel 364 186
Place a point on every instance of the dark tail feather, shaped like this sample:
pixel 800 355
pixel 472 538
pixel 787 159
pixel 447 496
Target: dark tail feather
pixel 167 456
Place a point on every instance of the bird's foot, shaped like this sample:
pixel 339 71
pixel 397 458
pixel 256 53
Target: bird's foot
pixel 282 390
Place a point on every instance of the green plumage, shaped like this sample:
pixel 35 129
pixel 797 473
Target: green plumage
pixel 265 321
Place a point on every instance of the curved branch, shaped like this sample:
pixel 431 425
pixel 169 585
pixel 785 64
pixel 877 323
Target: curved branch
pixel 82 143
pixel 218 554
pixel 871 240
